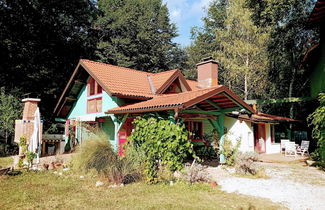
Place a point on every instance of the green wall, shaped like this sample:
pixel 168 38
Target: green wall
pixel 317 79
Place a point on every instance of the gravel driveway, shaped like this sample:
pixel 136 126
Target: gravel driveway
pixel 293 185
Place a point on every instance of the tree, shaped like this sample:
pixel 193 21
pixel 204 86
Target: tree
pixel 229 34
pixel 137 34
pixel 242 51
pixel 40 44
pixel 287 45
pixel 204 39
pixel 10 110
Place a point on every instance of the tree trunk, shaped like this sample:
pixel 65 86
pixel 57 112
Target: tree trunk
pixel 6 136
pixel 245 85
pixel 245 90
pixel 292 80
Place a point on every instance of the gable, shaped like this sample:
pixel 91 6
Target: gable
pixel 118 81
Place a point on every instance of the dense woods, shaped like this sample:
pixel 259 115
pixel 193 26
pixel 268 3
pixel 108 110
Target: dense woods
pixel 259 44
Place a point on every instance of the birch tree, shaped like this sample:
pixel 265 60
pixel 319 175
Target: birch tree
pixel 243 51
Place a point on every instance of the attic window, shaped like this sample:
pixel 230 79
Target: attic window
pixel 93 87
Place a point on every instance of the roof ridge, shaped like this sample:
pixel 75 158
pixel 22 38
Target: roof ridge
pixel 120 67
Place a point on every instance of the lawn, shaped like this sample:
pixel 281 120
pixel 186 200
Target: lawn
pixel 6 161
pixel 45 190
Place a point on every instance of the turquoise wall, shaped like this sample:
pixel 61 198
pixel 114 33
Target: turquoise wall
pixel 80 106
pixel 108 102
pixel 108 128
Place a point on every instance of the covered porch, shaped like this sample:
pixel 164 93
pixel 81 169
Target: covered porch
pixel 202 111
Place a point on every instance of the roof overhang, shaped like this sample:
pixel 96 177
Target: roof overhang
pixel 262 118
pixel 212 99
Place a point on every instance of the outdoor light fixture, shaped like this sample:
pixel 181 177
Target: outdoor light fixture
pixel 235 112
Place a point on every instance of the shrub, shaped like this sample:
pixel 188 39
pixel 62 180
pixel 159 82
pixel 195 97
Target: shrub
pixel 245 163
pixel 162 142
pixel 317 120
pixel 196 173
pixel 30 156
pixel 230 151
pixel 97 153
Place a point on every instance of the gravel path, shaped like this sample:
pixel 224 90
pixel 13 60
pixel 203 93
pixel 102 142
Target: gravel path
pixel 293 185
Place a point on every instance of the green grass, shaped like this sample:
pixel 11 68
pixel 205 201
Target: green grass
pixel 45 190
pixel 6 161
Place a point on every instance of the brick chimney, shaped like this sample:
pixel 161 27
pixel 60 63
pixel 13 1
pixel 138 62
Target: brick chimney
pixel 30 105
pixel 207 72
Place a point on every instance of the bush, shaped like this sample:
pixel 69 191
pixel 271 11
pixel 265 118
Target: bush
pixel 163 143
pixel 97 153
pixel 196 173
pixel 245 163
pixel 230 151
pixel 317 120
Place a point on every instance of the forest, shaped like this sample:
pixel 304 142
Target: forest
pixel 259 44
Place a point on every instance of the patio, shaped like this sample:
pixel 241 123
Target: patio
pixel 281 158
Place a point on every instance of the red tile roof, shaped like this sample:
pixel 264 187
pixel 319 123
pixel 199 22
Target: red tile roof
pixel 125 82
pixel 180 100
pixel 193 84
pixel 128 82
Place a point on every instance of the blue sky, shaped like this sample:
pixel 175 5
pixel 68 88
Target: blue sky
pixel 186 14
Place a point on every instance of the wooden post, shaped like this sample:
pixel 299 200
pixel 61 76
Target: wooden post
pixel 220 122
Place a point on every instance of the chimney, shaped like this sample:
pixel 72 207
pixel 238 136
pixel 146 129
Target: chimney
pixel 207 72
pixel 30 105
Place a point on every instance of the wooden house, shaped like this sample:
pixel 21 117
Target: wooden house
pixel 109 97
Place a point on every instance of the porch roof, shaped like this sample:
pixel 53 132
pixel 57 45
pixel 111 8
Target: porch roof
pixel 262 117
pixel 209 99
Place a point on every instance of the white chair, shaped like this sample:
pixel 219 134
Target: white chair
pixel 290 149
pixel 283 143
pixel 303 149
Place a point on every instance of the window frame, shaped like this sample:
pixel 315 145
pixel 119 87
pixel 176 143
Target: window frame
pixel 96 87
pixel 97 99
pixel 190 129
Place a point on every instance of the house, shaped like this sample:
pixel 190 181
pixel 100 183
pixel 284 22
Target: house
pixel 110 97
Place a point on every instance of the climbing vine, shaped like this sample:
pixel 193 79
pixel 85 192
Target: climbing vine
pixel 164 143
pixel 317 121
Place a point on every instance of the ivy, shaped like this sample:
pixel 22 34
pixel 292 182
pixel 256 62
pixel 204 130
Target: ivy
pixel 164 143
pixel 317 120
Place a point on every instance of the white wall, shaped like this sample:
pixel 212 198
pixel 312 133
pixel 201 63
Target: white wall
pixel 242 130
pixel 271 148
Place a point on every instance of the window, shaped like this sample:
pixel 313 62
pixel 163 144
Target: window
pixel 94 105
pixel 196 130
pixel 93 87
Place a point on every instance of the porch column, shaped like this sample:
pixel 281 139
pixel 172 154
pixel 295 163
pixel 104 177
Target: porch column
pixel 117 126
pixel 221 121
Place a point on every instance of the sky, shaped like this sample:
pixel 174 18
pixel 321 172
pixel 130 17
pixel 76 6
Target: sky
pixel 186 14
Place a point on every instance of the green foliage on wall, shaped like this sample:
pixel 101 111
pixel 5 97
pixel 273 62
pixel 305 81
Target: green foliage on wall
pixel 163 142
pixel 317 121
